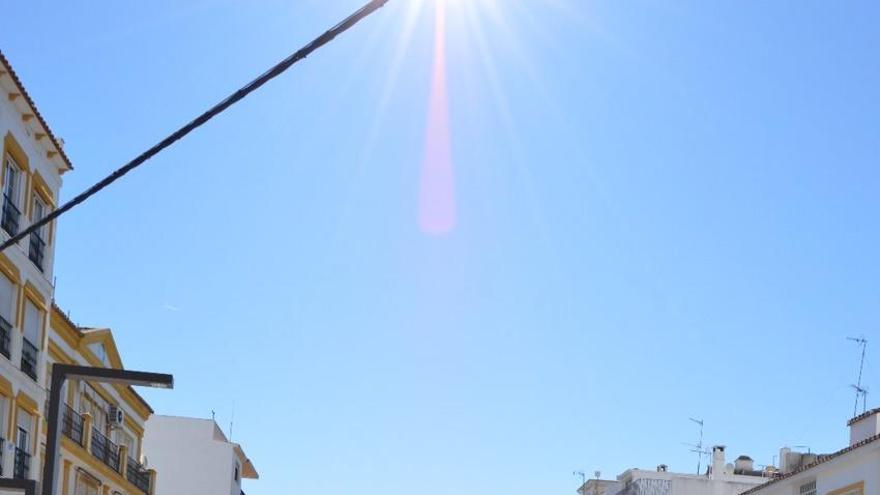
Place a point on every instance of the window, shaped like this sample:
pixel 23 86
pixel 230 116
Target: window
pixel 235 475
pixel 11 213
pixel 22 462
pixel 86 485
pixel 808 488
pixel 7 312
pixel 30 344
pixel 37 245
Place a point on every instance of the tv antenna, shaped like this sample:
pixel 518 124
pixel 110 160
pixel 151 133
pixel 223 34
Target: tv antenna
pixel 860 391
pixel 583 475
pixel 697 448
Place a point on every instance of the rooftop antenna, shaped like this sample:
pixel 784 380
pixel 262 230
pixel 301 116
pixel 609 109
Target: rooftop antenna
pixel 698 447
pixel 863 392
pixel 232 421
pixel 860 391
pixel 583 475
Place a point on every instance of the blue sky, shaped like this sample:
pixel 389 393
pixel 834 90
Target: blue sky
pixel 665 210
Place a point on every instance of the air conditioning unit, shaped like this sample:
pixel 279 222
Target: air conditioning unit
pixel 115 416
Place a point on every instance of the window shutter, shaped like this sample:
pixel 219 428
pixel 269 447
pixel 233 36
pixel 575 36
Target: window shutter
pixel 32 319
pixel 7 299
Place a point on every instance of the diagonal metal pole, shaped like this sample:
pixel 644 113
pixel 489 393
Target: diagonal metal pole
pixel 232 99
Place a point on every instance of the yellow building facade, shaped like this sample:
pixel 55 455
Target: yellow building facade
pixel 102 424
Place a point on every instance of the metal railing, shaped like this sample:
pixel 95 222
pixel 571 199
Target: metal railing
pixel 29 358
pixel 11 216
pixel 138 476
pixel 5 330
pixel 72 425
pixel 105 450
pixel 37 250
pixel 22 464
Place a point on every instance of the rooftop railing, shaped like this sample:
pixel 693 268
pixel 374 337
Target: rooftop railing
pixel 105 450
pixel 72 425
pixel 138 476
pixel 22 464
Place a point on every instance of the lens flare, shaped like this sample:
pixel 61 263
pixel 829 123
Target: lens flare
pixel 437 206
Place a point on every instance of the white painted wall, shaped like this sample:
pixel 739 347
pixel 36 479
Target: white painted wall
pixel 689 484
pixel 189 456
pixel 862 464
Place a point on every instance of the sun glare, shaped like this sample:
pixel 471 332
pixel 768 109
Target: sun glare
pixel 483 26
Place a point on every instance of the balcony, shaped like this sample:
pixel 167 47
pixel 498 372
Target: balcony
pixel 138 476
pixel 11 216
pixel 72 425
pixel 37 250
pixel 29 358
pixel 5 330
pixel 22 464
pixel 105 450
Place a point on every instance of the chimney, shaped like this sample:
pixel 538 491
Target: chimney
pixel 662 468
pixel 718 460
pixel 743 465
pixel 864 426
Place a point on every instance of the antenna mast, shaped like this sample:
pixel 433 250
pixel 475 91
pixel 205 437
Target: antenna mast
pixel 860 391
pixel 698 447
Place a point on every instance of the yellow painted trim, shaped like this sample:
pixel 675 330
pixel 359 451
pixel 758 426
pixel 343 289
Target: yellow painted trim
pixel 65 477
pixel 59 355
pixel 62 328
pixel 103 336
pixel 32 293
pixel 5 386
pixel 9 269
pixel 860 486
pixel 80 454
pixel 43 189
pixel 14 150
pixel 24 401
pixel 27 403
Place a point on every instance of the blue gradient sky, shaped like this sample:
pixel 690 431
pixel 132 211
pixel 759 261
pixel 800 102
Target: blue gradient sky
pixel 665 209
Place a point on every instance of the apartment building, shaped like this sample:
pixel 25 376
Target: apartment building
pixel 721 478
pixel 853 470
pixel 195 457
pixel 103 425
pixel 31 166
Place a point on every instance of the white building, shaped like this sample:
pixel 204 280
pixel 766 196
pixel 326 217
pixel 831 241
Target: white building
pixel 195 457
pixel 31 165
pixel 854 470
pixel 721 479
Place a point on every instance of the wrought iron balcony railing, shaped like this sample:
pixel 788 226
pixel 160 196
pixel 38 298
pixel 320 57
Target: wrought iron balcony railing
pixel 138 476
pixel 29 358
pixel 5 332
pixel 37 250
pixel 72 425
pixel 105 450
pixel 22 464
pixel 11 216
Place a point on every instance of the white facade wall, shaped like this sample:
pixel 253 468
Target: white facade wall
pixel 859 465
pixel 641 482
pixel 22 387
pixel 191 455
